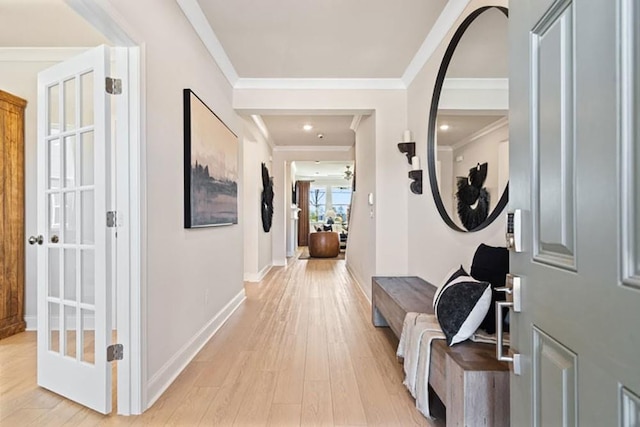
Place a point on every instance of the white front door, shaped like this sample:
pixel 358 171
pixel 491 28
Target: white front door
pixel 574 162
pixel 74 277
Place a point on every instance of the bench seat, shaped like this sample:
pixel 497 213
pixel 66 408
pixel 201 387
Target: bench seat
pixel 468 379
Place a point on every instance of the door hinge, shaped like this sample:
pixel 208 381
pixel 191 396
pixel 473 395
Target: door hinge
pixel 115 352
pixel 112 219
pixel 113 86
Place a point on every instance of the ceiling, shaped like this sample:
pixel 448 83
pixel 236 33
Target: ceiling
pixel 279 39
pixel 323 170
pixel 283 40
pixel 462 127
pixel 321 39
pixel 288 130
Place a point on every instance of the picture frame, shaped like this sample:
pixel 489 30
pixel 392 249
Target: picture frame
pixel 210 167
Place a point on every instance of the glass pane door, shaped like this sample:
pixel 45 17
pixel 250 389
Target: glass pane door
pixel 74 313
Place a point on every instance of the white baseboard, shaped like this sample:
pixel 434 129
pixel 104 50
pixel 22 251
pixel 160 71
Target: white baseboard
pixel 257 277
pixel 358 282
pixel 32 323
pixel 170 371
pixel 280 262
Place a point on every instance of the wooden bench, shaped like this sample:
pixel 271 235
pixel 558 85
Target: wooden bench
pixel 467 378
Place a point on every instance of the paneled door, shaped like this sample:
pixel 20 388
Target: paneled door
pixel 574 162
pixel 11 214
pixel 74 281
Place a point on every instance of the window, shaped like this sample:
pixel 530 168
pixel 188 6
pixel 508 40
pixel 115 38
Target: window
pixel 317 200
pixel 327 200
pixel 341 201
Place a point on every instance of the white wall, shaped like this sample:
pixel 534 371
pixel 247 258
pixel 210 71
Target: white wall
pixel 20 78
pixel 482 150
pixel 391 168
pixel 361 246
pixel 191 275
pixel 434 248
pixel 257 243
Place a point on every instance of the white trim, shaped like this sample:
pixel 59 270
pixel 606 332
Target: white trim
pixel 176 364
pixel 355 123
pixel 32 323
pixel 476 83
pixel 102 16
pixel 498 124
pixel 354 276
pixel 257 277
pixel 440 29
pixel 200 24
pixel 132 312
pixel 308 84
pixel 137 211
pixel 312 148
pixel 257 119
pixel 445 148
pixel 279 262
pixel 39 54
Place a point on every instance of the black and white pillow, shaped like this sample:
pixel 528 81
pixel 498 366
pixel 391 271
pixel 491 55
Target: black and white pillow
pixel 452 275
pixel 461 305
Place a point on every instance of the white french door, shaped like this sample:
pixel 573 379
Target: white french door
pixel 74 251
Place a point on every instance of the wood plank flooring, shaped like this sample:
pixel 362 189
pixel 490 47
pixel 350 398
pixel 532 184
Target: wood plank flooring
pixel 300 351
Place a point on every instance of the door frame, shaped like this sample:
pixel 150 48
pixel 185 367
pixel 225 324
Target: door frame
pixel 131 201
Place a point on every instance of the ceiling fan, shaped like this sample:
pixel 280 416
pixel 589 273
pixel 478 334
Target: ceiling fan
pixel 348 174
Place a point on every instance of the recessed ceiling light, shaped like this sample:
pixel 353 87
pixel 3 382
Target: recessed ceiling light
pixel 307 127
pixel 444 127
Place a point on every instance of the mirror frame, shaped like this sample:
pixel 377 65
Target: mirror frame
pixel 433 114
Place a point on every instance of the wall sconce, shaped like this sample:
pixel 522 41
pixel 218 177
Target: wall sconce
pixel 408 148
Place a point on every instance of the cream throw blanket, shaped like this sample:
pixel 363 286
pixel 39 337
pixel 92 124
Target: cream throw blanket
pixel 418 331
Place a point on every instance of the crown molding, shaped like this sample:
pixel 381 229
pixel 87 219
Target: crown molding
pixel 306 148
pixel 263 129
pixel 498 124
pixel 39 54
pixel 445 22
pixel 306 84
pixel 200 24
pixel 447 148
pixel 355 123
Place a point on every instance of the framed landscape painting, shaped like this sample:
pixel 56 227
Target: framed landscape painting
pixel 210 167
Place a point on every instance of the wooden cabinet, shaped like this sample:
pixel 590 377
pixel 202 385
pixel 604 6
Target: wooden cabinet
pixel 12 238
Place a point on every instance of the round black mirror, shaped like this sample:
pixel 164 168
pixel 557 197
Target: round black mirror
pixel 468 134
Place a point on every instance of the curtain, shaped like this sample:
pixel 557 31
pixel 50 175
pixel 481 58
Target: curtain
pixel 302 191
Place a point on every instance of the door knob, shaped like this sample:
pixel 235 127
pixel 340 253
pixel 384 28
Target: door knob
pixel 36 239
pixel 55 239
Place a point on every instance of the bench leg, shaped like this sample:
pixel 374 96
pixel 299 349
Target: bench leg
pixel 476 398
pixel 377 319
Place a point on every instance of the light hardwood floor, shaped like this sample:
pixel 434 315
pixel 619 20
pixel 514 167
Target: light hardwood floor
pixel 300 350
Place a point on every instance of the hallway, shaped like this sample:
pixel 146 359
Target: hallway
pixel 301 350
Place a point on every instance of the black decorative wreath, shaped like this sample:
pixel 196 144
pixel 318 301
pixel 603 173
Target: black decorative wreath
pixel 267 199
pixel 471 192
